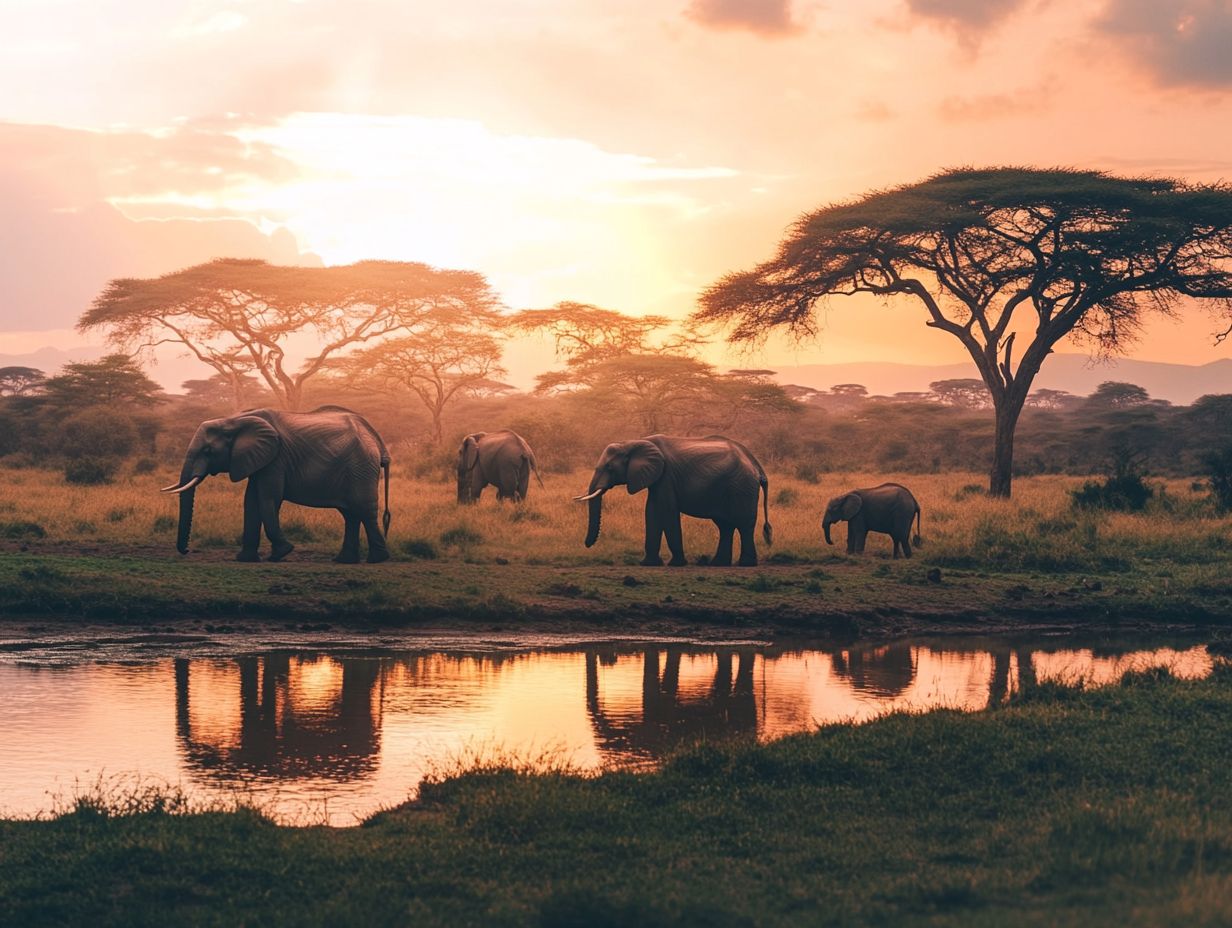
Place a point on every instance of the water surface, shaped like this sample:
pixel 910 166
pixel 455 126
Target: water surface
pixel 334 733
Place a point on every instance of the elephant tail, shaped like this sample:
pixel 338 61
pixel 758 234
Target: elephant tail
pixel 534 466
pixel 917 540
pixel 767 532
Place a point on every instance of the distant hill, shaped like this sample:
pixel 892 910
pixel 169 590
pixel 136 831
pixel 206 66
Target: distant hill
pixel 1178 383
pixel 49 360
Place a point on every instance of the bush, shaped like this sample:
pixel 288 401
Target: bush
pixel 1119 493
pixel 91 471
pixel 97 433
pixel 163 524
pixel 297 531
pixel 21 530
pixel 1219 470
pixel 461 537
pixel 786 497
pixel 419 548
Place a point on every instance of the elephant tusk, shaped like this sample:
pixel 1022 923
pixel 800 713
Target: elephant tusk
pixel 582 499
pixel 180 489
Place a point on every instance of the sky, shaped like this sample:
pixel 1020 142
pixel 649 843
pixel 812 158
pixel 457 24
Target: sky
pixel 621 154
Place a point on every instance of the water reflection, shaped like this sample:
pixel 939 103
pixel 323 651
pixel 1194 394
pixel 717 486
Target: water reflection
pixel 347 733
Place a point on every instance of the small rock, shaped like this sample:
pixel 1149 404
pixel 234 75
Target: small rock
pixel 934 575
pixel 1093 585
pixel 668 599
pixel 631 580
pixel 502 560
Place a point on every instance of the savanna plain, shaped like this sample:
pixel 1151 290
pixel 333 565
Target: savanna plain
pixel 1062 805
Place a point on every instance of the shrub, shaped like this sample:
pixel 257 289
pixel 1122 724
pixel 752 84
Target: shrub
pixel 145 466
pixel 460 537
pixel 786 497
pixel 1219 471
pixel 21 530
pixel 1119 493
pixel 118 515
pixel 91 471
pixel 163 524
pixel 298 531
pixel 97 433
pixel 419 548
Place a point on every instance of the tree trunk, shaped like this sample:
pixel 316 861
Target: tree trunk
pixel 1002 477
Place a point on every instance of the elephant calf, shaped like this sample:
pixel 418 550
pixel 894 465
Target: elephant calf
pixel 889 508
pixel 501 459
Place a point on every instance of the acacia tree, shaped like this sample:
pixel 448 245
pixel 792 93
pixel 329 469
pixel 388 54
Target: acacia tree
pixel 998 254
pixel 21 381
pixel 242 317
pixel 451 354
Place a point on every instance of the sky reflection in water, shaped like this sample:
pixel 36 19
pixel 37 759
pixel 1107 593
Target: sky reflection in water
pixel 317 736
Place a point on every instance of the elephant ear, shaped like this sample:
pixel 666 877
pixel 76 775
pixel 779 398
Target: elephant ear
pixel 470 451
pixel 646 465
pixel 256 444
pixel 851 506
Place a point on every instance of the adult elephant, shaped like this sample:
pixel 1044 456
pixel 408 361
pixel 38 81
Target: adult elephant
pixel 330 458
pixel 889 508
pixel 707 478
pixel 501 459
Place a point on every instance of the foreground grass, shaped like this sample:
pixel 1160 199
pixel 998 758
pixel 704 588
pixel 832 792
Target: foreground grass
pixel 1109 806
pixel 108 553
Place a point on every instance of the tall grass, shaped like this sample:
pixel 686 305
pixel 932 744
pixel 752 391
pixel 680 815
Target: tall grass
pixel 1038 530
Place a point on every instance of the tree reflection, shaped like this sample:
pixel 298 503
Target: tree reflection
pixel 667 720
pixel 281 732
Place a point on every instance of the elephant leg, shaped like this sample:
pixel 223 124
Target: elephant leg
pixel 378 551
pixel 860 538
pixel 851 539
pixel 723 553
pixel 350 539
pixel 675 540
pixel 279 545
pixel 907 544
pixel 896 545
pixel 523 480
pixel 251 539
pixel 748 546
pixel 654 537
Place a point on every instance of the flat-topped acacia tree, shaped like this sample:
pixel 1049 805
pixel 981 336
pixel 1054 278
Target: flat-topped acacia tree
pixel 238 316
pixel 994 252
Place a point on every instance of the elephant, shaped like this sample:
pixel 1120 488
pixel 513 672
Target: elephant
pixel 888 508
pixel 329 458
pixel 502 459
pixel 707 478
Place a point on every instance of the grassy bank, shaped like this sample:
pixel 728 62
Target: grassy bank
pixel 1109 806
pixel 107 553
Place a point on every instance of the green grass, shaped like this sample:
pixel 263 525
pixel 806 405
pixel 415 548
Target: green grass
pixel 108 553
pixel 1108 806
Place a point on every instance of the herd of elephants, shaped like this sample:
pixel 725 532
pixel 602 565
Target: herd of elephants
pixel 332 458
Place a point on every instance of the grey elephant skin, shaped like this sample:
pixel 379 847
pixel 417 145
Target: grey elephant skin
pixel 708 478
pixel 889 509
pixel 329 458
pixel 501 459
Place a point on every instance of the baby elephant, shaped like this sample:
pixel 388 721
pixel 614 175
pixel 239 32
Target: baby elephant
pixel 888 508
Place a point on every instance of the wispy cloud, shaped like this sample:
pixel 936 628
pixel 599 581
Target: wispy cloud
pixel 766 17
pixel 1177 42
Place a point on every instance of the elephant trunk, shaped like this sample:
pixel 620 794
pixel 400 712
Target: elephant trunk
pixel 825 528
pixel 186 515
pixel 594 500
pixel 596 519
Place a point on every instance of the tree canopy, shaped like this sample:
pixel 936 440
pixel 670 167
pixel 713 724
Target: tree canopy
pixel 241 316
pixel 116 380
pixel 995 254
pixel 452 353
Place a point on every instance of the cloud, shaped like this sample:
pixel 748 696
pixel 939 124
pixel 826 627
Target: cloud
pixel 969 18
pixel 984 107
pixel 1178 42
pixel 766 17
pixel 63 238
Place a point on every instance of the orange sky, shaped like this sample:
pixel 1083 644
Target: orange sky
pixel 620 154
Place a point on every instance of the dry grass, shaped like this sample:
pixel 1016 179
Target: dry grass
pixel 1037 530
